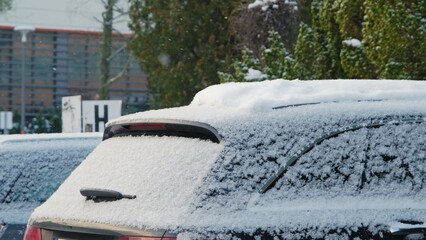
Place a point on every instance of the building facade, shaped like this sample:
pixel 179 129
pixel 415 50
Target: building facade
pixel 57 63
pixel 61 57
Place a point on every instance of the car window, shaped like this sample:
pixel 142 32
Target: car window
pixel 366 164
pixel 388 160
pixel 32 170
pixel 334 134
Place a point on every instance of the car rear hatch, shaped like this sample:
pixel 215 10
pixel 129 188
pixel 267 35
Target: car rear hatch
pixel 142 174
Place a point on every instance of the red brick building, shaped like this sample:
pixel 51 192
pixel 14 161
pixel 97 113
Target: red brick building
pixel 63 63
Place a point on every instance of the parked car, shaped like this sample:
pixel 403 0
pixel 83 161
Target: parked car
pixel 336 159
pixel 31 168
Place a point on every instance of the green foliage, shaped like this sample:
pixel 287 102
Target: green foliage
pixel 241 67
pixel 47 122
pixel 390 37
pixel 181 44
pixel 395 36
pixel 304 7
pixel 5 5
pixel 44 122
pixel 349 16
pixel 327 28
pixel 275 62
pixel 305 53
pixel 355 62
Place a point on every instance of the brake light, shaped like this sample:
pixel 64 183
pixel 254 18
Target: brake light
pixel 147 126
pixel 144 238
pixel 32 233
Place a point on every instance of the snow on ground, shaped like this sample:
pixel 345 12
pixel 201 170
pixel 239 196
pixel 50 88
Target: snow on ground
pixel 370 177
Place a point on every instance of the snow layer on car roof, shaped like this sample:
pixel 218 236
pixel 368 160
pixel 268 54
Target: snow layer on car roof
pixel 46 136
pixel 237 99
pixel 221 194
pixel 269 94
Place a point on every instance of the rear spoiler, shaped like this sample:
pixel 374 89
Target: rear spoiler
pixel 163 127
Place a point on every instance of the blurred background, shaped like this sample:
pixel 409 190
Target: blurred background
pixel 156 54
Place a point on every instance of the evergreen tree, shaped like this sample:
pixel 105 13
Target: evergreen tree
pixel 328 32
pixel 353 59
pixel 276 60
pixel 395 36
pixel 241 67
pixel 364 39
pixel 305 56
pixel 181 44
pixel 357 39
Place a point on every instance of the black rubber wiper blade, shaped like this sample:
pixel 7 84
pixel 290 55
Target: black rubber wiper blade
pixel 274 178
pixel 408 228
pixel 101 195
pixel 315 103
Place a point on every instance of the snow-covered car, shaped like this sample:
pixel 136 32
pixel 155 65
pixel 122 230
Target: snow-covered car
pixel 31 168
pixel 334 159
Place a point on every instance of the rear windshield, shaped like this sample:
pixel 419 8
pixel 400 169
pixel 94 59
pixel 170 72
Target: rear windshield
pixel 162 172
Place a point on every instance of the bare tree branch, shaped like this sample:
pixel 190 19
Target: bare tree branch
pixel 119 75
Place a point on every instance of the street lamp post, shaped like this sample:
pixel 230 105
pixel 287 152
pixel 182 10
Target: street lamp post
pixel 24 30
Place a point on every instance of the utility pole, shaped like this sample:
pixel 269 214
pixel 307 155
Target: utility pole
pixel 24 30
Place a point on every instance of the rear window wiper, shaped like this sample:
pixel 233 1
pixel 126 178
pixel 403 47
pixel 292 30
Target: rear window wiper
pixel 408 228
pixel 274 178
pixel 103 195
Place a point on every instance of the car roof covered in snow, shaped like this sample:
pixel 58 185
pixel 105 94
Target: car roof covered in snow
pixel 236 99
